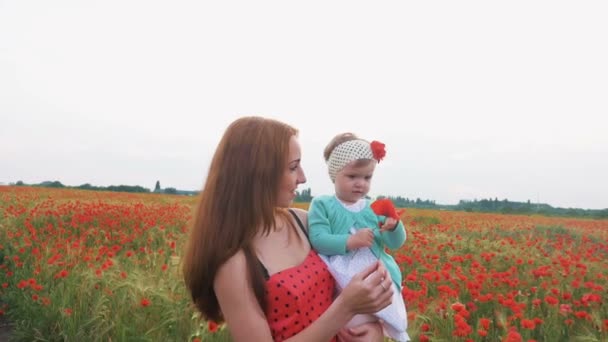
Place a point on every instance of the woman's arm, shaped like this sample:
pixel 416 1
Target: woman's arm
pixel 244 316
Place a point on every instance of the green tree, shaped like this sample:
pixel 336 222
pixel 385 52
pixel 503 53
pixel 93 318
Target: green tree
pixel 171 191
pixel 304 196
pixel 87 186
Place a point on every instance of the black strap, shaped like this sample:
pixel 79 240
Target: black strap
pixel 264 270
pixel 300 224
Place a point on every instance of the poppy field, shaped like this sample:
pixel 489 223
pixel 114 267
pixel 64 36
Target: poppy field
pixel 103 266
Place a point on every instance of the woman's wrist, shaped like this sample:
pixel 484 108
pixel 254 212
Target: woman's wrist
pixel 343 312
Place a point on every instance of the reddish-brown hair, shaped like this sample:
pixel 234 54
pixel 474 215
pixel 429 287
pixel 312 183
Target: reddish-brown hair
pixel 238 200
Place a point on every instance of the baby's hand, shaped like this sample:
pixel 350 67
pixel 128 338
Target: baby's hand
pixel 362 238
pixel 389 225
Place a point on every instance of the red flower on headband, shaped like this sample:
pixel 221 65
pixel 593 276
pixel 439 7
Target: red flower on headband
pixel 378 150
pixel 385 207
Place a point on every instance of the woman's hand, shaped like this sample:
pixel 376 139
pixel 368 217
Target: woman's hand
pixel 369 291
pixel 367 332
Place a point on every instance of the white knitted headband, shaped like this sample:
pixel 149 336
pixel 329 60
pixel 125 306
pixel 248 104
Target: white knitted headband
pixel 351 150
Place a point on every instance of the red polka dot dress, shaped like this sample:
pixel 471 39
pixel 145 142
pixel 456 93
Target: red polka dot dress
pixel 297 296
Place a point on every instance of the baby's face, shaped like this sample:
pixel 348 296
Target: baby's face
pixel 353 181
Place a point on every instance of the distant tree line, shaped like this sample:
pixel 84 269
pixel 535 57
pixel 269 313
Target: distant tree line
pixel 404 202
pixel 401 202
pixel 526 208
pixel 486 206
pixel 115 188
pixel 483 205
pixel 304 196
pixel 173 191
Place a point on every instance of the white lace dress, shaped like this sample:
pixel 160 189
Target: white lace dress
pixel 344 267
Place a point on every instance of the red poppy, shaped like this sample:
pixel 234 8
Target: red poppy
pixel 61 274
pixel 378 150
pixel 551 300
pixel 513 336
pixel 458 307
pixel 528 324
pixel 485 323
pixel 212 326
pixel 385 207
pixel 145 302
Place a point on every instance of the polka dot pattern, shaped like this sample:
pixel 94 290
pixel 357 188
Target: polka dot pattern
pixel 297 296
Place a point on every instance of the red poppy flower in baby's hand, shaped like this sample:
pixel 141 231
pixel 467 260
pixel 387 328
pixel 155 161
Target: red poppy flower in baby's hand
pixel 385 207
pixel 378 150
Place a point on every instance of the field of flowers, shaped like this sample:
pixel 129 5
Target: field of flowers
pixel 100 266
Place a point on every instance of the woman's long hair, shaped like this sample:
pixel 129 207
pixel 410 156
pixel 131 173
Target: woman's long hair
pixel 238 199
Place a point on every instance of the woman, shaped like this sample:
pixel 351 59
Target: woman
pixel 248 260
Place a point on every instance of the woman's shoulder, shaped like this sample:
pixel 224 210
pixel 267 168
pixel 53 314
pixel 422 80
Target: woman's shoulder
pixel 230 282
pixel 235 266
pixel 302 215
pixel 299 211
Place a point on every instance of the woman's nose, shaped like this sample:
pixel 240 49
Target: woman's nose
pixel 301 177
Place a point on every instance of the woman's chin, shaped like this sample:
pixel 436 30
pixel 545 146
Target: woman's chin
pixel 285 203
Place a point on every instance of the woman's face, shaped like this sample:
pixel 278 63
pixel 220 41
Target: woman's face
pixel 292 176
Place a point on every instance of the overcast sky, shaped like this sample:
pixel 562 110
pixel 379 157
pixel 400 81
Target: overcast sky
pixel 474 99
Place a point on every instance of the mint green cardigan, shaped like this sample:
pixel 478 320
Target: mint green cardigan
pixel 329 223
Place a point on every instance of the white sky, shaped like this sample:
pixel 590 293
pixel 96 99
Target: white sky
pixel 474 99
